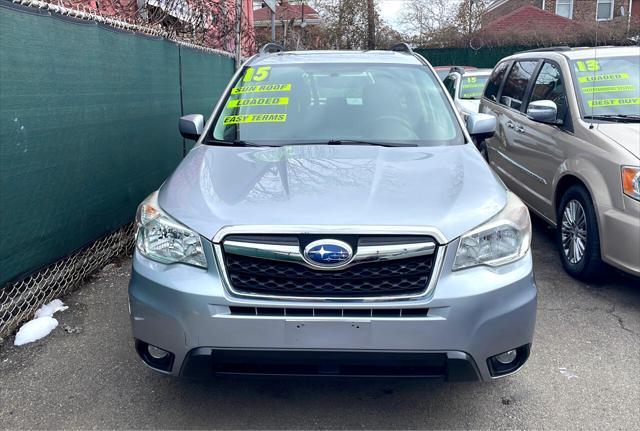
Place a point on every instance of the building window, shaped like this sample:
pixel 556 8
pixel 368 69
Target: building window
pixel 564 8
pixel 604 10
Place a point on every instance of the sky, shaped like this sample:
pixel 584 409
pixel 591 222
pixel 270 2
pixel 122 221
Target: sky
pixel 390 11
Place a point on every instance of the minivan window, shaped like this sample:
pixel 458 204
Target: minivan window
pixel 493 86
pixel 516 83
pixel 549 86
pixel 285 104
pixel 608 87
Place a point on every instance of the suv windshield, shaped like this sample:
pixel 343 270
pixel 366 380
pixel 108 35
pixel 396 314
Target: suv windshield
pixel 332 103
pixel 608 87
pixel 471 86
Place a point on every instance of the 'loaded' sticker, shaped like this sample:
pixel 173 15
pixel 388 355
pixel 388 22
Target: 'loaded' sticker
pixel 614 102
pixel 255 118
pixel 603 77
pixel 258 101
pixel 265 88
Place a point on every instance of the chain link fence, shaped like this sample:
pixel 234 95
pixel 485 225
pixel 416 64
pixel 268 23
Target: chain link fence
pixel 19 300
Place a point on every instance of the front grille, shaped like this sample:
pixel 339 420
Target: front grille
pixel 261 276
pixel 329 312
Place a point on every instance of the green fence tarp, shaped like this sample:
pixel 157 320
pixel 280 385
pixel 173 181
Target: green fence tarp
pixel 88 127
pixel 481 58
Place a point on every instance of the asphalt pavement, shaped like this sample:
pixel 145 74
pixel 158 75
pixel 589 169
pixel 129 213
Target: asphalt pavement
pixel 584 372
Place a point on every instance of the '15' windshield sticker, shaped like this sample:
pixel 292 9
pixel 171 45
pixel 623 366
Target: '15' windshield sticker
pixel 258 101
pixel 265 88
pixel 472 82
pixel 259 74
pixel 255 118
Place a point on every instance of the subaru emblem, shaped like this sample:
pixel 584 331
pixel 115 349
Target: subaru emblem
pixel 328 253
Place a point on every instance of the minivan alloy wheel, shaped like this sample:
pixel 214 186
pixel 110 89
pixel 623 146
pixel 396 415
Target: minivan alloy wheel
pixel 574 231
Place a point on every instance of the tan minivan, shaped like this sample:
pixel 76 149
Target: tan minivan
pixel 568 144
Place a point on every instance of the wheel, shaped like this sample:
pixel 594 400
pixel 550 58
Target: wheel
pixel 577 235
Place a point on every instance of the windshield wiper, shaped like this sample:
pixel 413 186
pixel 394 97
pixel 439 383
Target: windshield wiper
pixel 236 143
pixel 358 142
pixel 620 118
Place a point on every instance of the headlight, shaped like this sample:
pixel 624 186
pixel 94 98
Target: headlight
pixel 161 238
pixel 631 181
pixel 503 239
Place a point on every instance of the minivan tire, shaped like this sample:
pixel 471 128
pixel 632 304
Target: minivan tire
pixel 589 266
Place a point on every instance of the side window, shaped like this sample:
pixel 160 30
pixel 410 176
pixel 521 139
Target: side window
pixel 550 86
pixel 493 85
pixel 450 84
pixel 516 84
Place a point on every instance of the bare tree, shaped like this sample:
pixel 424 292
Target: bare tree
pixel 442 22
pixel 346 24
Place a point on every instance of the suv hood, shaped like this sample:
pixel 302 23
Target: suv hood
pixel 448 188
pixel 626 135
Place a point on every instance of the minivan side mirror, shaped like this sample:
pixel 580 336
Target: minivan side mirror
pixel 543 111
pixel 191 126
pixel 481 126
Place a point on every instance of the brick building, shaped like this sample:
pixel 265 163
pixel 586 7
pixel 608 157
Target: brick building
pixel 294 24
pixel 209 23
pixel 584 11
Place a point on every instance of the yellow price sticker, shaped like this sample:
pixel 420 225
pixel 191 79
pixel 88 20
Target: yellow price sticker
pixel 614 102
pixel 259 101
pixel 264 88
pixel 255 118
pixel 608 89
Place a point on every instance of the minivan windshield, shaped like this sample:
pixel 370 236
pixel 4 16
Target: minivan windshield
pixel 608 88
pixel 318 103
pixel 471 86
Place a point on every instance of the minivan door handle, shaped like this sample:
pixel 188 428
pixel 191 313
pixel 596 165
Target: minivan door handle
pixel 519 129
pixel 510 124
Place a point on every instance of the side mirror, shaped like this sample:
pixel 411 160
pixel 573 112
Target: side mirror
pixel 543 111
pixel 191 126
pixel 481 126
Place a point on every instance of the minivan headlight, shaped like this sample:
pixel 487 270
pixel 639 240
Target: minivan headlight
pixel 161 238
pixel 631 181
pixel 506 237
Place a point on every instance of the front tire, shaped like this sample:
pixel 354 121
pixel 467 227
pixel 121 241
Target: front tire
pixel 577 235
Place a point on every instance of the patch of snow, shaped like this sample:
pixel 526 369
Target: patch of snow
pixel 50 308
pixel 567 373
pixel 41 325
pixel 35 329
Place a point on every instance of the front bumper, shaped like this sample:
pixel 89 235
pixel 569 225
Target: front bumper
pixel 620 237
pixel 472 315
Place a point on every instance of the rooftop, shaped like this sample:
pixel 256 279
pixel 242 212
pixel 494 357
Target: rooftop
pixel 530 19
pixel 292 57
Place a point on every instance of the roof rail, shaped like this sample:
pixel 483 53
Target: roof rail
pixel 401 47
pixel 550 49
pixel 271 48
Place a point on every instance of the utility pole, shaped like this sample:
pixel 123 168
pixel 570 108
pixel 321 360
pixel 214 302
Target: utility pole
pixel 371 25
pixel 470 14
pixel 238 28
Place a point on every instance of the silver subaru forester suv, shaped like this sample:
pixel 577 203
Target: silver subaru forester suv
pixel 568 144
pixel 334 218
